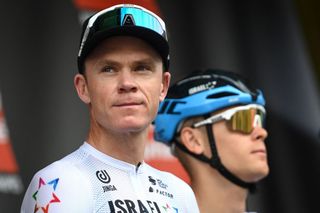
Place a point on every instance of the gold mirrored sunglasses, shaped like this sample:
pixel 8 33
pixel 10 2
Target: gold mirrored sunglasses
pixel 242 118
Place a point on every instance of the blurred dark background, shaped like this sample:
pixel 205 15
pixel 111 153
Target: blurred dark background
pixel 275 44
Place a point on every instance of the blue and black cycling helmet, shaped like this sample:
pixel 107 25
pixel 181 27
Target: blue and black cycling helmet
pixel 199 94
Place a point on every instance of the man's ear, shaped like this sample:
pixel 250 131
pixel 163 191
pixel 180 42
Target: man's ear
pixel 81 86
pixel 192 140
pixel 165 85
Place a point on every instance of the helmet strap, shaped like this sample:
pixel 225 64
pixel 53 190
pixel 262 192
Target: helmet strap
pixel 215 161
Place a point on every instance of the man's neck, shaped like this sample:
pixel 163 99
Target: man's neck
pixel 128 146
pixel 216 194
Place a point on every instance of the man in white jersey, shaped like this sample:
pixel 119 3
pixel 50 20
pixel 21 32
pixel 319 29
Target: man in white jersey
pixel 123 75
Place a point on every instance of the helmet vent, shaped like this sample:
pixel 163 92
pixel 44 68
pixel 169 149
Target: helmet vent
pixel 221 95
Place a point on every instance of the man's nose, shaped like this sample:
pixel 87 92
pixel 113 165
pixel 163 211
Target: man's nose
pixel 127 81
pixel 259 133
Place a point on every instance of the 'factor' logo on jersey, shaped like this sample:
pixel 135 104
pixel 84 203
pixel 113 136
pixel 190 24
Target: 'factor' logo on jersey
pixel 159 187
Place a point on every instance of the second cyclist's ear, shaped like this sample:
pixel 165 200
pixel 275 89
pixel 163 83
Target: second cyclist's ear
pixel 81 86
pixel 192 139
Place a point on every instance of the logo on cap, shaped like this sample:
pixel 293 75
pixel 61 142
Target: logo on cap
pixel 128 20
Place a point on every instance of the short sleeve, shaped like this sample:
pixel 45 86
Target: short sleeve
pixel 58 188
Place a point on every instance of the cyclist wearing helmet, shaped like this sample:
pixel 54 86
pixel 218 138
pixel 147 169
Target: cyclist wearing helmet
pixel 123 74
pixel 214 122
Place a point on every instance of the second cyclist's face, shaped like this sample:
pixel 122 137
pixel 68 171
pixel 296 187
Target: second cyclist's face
pixel 244 155
pixel 125 83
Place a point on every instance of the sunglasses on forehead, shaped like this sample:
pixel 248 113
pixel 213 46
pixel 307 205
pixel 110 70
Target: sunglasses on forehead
pixel 242 118
pixel 122 15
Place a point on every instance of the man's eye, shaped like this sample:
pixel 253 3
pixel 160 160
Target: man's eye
pixel 107 69
pixel 143 68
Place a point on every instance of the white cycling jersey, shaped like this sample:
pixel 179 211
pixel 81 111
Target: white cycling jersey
pixel 88 181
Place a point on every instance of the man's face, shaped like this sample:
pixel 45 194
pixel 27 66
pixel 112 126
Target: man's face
pixel 123 84
pixel 243 154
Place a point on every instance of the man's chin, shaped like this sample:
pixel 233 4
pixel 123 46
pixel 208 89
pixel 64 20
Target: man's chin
pixel 133 128
pixel 255 174
pixel 260 174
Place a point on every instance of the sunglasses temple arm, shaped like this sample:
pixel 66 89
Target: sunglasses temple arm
pixel 210 120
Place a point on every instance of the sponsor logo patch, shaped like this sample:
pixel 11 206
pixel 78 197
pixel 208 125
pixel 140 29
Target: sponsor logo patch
pixel 45 195
pixel 159 187
pixel 104 177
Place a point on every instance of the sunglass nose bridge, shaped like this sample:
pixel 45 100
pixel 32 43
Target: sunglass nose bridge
pixel 257 121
